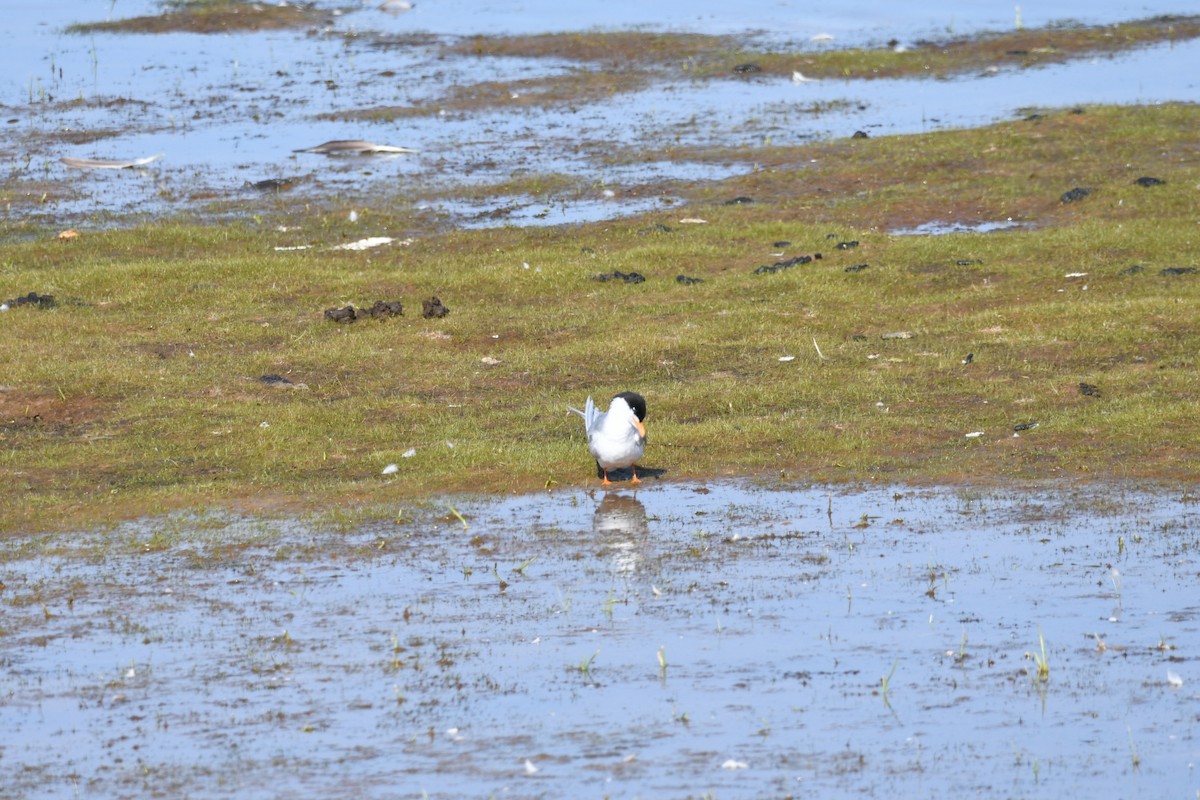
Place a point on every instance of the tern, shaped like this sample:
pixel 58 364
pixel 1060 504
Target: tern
pixel 617 437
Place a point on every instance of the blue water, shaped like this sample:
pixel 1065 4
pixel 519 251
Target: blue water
pixel 625 644
pixel 227 109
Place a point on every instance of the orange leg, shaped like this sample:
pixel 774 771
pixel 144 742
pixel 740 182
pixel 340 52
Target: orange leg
pixel 606 481
pixel 636 479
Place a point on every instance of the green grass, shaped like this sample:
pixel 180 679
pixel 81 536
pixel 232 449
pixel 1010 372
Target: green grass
pixel 140 392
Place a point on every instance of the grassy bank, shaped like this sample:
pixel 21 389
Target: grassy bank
pixel 142 388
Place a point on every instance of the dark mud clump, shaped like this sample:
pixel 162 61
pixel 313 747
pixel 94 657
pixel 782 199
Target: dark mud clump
pixel 1075 195
pixel 687 280
pixel 343 315
pixel 1148 181
pixel 386 308
pixel 787 263
pixel 32 299
pixel 433 309
pixel 617 275
pixel 857 268
pixel 1089 390
pixel 279 382
pixel 382 309
pixel 1170 271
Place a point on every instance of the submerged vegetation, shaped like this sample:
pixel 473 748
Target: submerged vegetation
pixel 185 365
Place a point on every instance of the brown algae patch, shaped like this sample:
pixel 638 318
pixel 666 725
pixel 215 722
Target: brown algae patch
pixel 213 16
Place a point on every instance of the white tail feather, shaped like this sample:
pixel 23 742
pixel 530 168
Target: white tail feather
pixel 588 413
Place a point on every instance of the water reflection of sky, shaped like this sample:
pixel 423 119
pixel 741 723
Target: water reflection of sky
pixel 268 658
pixel 226 109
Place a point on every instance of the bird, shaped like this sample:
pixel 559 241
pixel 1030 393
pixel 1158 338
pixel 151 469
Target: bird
pixel 617 437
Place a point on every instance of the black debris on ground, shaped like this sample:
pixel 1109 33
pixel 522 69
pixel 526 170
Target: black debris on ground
pixel 1089 390
pixel 382 309
pixel 617 275
pixel 1076 194
pixel 433 309
pixel 386 308
pixel 687 280
pixel 32 299
pixel 342 315
pixel 857 268
pixel 785 264
pixel 1169 271
pixel 1148 181
pixel 740 200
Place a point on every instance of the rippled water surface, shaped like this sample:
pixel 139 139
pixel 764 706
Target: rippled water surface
pixel 718 640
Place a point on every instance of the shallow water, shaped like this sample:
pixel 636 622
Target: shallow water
pixel 230 109
pixel 519 654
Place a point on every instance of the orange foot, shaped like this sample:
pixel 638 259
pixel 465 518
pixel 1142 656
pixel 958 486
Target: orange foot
pixel 636 479
pixel 606 481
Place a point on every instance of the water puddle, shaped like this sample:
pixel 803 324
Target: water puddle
pixel 937 228
pixel 722 639
pixel 227 111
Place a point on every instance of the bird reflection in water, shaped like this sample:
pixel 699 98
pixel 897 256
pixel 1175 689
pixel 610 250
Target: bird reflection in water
pixel 621 525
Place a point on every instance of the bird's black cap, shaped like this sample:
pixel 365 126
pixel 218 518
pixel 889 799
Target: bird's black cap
pixel 636 402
